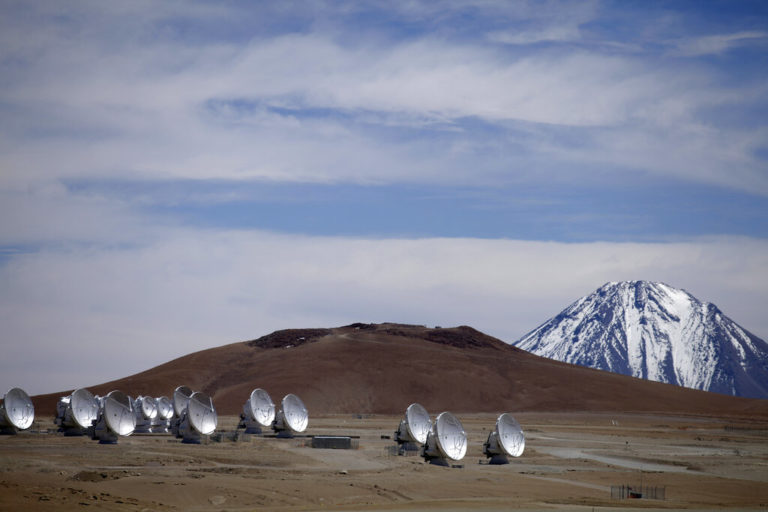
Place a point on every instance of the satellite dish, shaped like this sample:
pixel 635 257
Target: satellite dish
pixel 119 413
pixel 198 419
pixel 16 412
pixel 446 440
pixel 76 412
pixel 180 398
pixel 506 440
pixel 164 414
pixel 292 417
pixel 164 408
pixel 258 412
pixel 413 429
pixel 116 418
pixel 145 408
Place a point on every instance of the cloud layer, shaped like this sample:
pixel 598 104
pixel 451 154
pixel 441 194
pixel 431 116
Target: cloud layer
pixel 155 99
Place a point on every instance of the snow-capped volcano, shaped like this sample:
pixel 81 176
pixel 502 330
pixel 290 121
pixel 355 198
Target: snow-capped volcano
pixel 657 332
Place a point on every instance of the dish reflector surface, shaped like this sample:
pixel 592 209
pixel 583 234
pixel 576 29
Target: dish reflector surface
pixel 201 413
pixel 262 408
pixel 148 407
pixel 164 408
pixel 85 407
pixel 180 398
pixel 417 422
pixel 451 438
pixel 18 409
pixel 295 413
pixel 510 435
pixel 119 414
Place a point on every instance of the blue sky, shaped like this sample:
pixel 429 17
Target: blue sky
pixel 649 210
pixel 179 175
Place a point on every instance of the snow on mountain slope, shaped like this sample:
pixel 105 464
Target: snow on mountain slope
pixel 656 332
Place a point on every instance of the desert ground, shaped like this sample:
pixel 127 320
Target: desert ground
pixel 570 462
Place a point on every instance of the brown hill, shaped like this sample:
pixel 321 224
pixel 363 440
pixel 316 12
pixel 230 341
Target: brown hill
pixel 368 368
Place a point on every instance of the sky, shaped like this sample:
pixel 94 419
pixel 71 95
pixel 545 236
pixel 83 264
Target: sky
pixel 176 176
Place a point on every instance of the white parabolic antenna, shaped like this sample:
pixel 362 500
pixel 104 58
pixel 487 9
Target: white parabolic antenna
pixel 84 407
pixel 446 440
pixel 119 414
pixel 147 407
pixel 201 413
pixel 510 435
pixel 260 407
pixel 451 438
pixel 180 397
pixel 17 411
pixel 164 408
pixel 293 414
pixel 416 425
pixel 418 422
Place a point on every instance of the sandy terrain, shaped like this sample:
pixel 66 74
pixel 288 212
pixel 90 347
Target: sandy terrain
pixel 570 462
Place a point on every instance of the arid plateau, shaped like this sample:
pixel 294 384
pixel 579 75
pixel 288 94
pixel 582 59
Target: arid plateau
pixel 570 463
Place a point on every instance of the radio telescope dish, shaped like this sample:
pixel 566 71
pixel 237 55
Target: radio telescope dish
pixel 76 412
pixel 16 412
pixel 413 429
pixel 116 418
pixel 146 411
pixel 162 421
pixel 119 413
pixel 446 440
pixel 84 407
pixel 292 417
pixel 507 439
pixel 147 407
pixel 199 418
pixel 180 397
pixel 164 408
pixel 258 412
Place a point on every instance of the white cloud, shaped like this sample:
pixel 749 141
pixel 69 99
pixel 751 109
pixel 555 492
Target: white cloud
pixel 547 22
pixel 717 44
pixel 64 311
pixel 91 104
pixel 426 77
pixel 562 33
pixel 47 213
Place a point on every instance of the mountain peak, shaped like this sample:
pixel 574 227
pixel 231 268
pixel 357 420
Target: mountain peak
pixel 658 332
